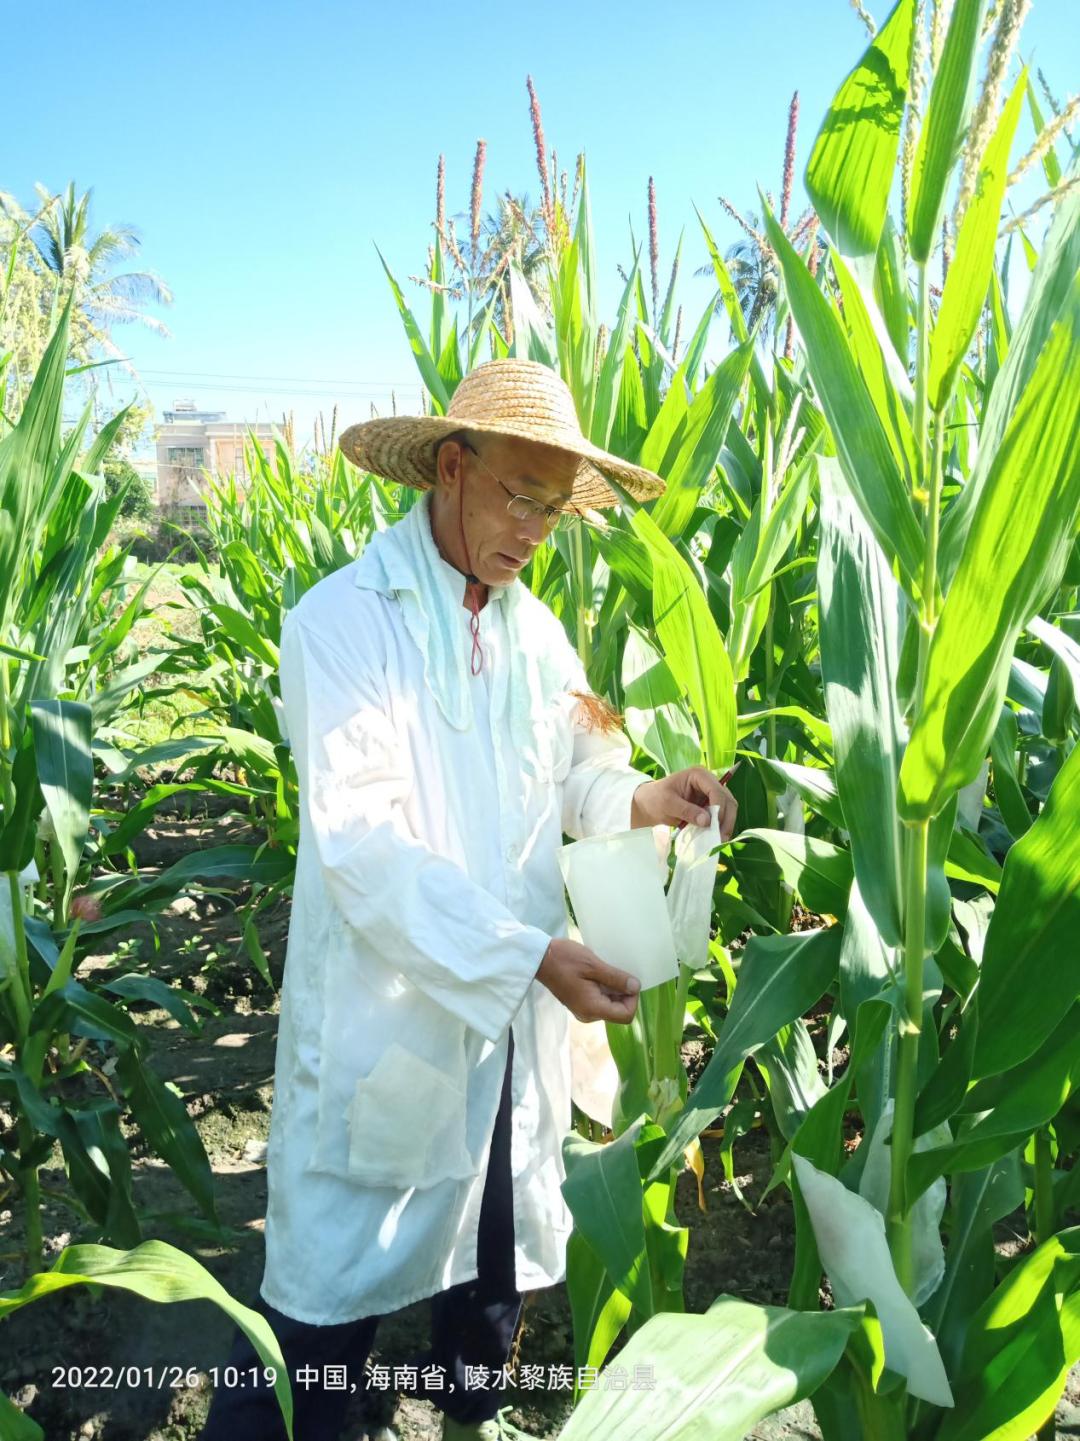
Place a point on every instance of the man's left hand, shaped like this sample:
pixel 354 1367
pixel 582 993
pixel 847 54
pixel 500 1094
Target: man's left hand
pixel 683 799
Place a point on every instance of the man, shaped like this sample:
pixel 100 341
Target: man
pixel 445 738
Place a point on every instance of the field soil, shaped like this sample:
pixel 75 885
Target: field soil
pixel 741 1247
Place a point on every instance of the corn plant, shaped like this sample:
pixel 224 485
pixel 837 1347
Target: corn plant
pixel 59 679
pixel 157 1272
pixel 956 979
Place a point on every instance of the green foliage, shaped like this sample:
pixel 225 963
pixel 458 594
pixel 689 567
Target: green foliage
pixel 121 478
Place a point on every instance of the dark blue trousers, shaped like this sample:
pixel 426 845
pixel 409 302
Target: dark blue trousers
pixel 472 1324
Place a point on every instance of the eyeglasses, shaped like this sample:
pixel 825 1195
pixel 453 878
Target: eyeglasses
pixel 523 507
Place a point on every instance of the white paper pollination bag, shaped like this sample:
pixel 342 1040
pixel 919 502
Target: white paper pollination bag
pixel 617 892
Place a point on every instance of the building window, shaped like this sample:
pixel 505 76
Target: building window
pixel 187 457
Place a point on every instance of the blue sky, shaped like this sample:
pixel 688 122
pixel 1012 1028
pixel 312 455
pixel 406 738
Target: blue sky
pixel 263 150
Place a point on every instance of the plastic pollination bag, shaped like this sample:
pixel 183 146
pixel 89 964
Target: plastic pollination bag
pixel 619 904
pixel 689 896
pixel 624 916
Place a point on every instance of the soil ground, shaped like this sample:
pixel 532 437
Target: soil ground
pixel 742 1248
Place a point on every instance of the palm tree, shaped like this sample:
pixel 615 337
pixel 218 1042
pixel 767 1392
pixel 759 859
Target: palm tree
pixel 515 232
pixel 752 264
pixel 75 259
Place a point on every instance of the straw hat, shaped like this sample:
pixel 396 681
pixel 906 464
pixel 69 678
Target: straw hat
pixel 518 398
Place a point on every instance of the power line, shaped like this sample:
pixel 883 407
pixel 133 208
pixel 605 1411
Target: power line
pixel 216 388
pixel 169 375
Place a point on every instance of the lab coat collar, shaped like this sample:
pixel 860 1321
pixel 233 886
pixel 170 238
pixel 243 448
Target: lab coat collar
pixel 404 561
pixel 394 559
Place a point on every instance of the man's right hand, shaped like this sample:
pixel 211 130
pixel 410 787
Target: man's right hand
pixel 587 986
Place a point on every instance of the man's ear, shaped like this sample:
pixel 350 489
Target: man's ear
pixel 448 464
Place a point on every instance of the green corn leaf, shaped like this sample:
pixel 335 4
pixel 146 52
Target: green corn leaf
pixel 1014 1103
pixel 969 860
pixel 450 360
pixel 109 643
pixel 664 439
pixel 691 642
pixel 18 833
pixel 425 361
pixel 630 423
pixel 87 1173
pixel 695 350
pixel 609 381
pixel 248 864
pixel 164 1121
pixel 1051 288
pixel 1020 1347
pixel 850 171
pixel 1019 539
pixel 943 128
pixel 603 1190
pixel 869 466
pixel 73 1006
pixel 817 870
pixel 438 299
pixel 655 718
pixel 886 377
pixel 891 289
pixel 749 610
pixel 98 1160
pixel 1065 649
pixel 780 978
pixel 728 1369
pixel 239 629
pixel 176 1002
pixel 978 1200
pixel 728 292
pixel 157 1272
pixel 814 784
pixel 102 442
pixel 945 1088
pixel 1031 962
pixel 790 1067
pixel 859 618
pixel 973 263
pixel 815 727
pixel 1058 704
pixel 700 440
pixel 29 467
pixel 15 1425
pixel 18 653
pixel 599 1310
pixel 65 771
pixel 756 560
pixel 1010 798
pixel 532 337
pixel 485 329
pixel 1051 166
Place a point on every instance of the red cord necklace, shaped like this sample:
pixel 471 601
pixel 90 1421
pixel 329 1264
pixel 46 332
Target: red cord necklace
pixel 471 597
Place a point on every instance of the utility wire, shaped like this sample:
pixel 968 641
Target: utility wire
pixel 273 379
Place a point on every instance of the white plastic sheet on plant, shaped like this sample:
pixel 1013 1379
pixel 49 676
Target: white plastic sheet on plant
pixel 850 1235
pixel 619 903
pixel 690 894
pixel 928 1254
pixel 594 1078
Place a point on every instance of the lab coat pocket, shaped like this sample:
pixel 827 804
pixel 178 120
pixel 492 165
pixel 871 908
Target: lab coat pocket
pixel 407 1124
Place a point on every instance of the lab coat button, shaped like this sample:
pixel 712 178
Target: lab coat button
pixel 512 852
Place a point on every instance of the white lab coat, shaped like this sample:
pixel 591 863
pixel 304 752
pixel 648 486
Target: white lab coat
pixel 427 890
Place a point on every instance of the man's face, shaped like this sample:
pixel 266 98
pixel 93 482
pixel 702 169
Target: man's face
pixel 499 543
